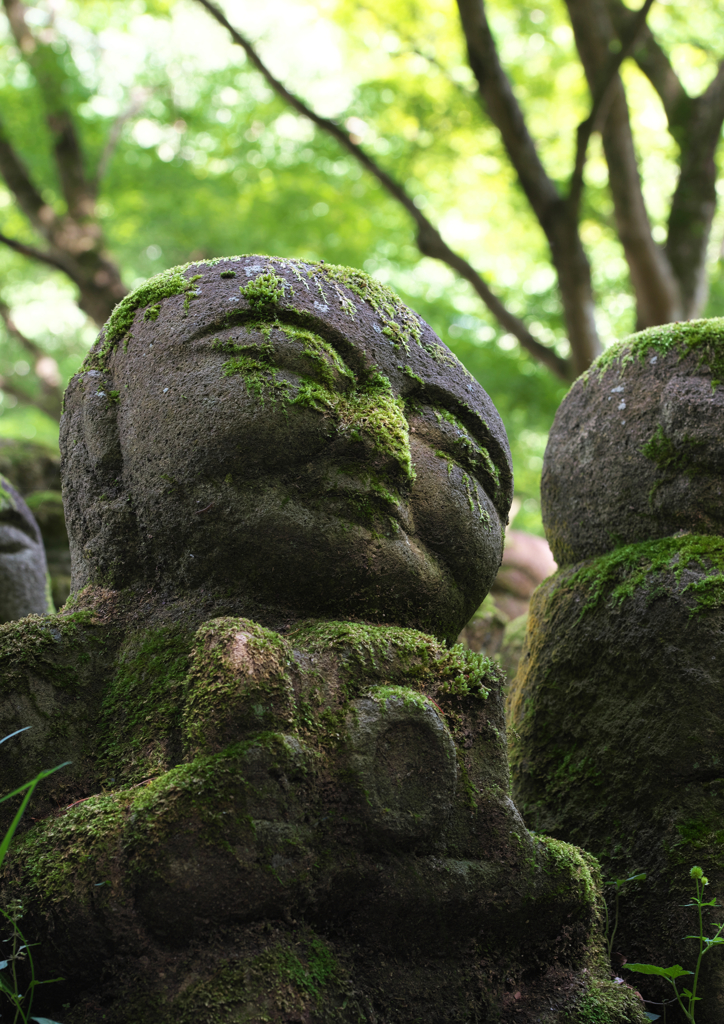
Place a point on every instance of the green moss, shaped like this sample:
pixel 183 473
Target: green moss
pixel 65 854
pixel 367 410
pixel 227 273
pixel 264 292
pixel 416 659
pixel 704 338
pixel 33 642
pixel 238 682
pixel 382 694
pixel 297 977
pixel 606 1002
pixel 466 451
pixel 162 286
pixel 141 713
pixel 671 459
pixel 578 872
pixel 401 325
pixel 617 575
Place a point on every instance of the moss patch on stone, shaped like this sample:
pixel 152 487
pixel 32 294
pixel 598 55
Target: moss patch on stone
pixel 162 286
pixel 143 704
pixel 651 564
pixel 297 977
pixel 704 338
pixel 367 410
pixel 391 652
pixel 239 682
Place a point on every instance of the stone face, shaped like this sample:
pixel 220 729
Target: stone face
pixel 293 433
pixel 24 586
pixel 636 448
pixel 273 812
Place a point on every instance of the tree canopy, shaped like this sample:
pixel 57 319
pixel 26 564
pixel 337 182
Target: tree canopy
pixel 140 135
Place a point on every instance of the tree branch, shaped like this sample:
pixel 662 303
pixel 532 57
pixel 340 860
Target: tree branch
pixel 46 368
pixel 35 254
pixel 652 60
pixel 552 211
pixel 602 94
pixel 655 285
pixel 429 240
pixel 50 76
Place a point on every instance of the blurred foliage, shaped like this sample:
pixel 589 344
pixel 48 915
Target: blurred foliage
pixel 213 164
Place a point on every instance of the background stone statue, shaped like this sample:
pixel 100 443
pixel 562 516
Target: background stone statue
pixel 34 471
pixel 618 706
pixel 24 583
pixel 288 797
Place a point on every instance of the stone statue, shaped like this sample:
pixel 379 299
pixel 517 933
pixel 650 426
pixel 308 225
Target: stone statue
pixel 618 706
pixel 24 586
pixel 288 798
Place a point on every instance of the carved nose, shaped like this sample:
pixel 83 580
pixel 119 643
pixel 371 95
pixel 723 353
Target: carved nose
pixel 403 758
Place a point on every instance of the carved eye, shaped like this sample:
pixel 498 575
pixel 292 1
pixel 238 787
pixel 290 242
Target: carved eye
pixel 13 540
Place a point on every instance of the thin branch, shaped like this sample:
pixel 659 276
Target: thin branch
pixel 505 112
pixel 429 240
pixel 599 107
pixel 36 254
pixel 14 331
pixel 50 77
pixel 46 368
pixel 21 185
pixel 138 99
pixel 653 62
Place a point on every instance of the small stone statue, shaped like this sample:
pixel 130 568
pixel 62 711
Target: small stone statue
pixel 24 588
pixel 288 798
pixel 618 705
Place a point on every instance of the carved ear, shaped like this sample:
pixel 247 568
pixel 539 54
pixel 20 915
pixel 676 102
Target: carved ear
pixel 100 429
pixel 99 515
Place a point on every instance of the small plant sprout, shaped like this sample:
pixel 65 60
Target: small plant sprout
pixel 687 998
pixel 21 1002
pixel 619 883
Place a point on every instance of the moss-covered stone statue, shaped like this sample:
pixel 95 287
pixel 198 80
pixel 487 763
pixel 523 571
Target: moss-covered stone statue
pixel 288 798
pixel 618 707
pixel 24 582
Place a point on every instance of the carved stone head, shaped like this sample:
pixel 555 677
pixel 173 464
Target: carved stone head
pixel 289 434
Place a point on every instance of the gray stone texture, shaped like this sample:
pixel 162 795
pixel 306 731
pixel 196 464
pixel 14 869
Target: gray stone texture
pixel 24 586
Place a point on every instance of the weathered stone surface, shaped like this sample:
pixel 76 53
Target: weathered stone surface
pixel 636 450
pixel 617 706
pixel 23 570
pixel 618 732
pixel 34 471
pixel 272 814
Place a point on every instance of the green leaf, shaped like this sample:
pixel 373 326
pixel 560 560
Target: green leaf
pixel 662 972
pixel 652 1016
